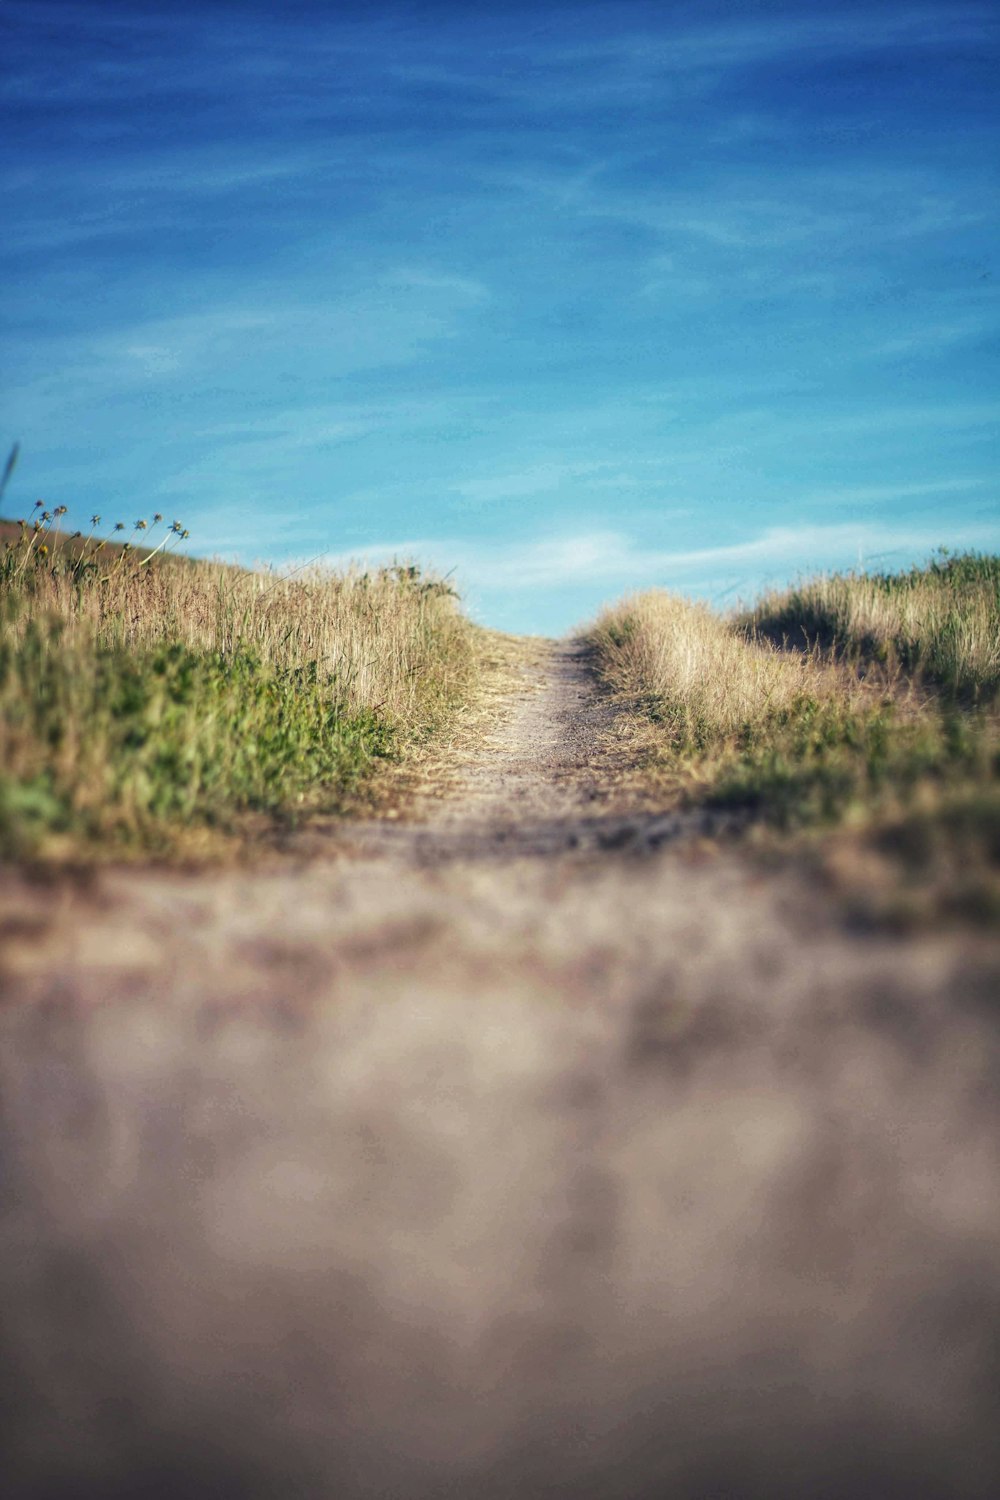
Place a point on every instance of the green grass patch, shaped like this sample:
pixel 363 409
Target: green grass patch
pixel 129 746
pixel 823 761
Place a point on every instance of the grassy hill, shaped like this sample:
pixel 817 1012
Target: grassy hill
pixel 859 710
pixel 145 698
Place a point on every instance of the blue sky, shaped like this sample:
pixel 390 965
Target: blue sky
pixel 574 299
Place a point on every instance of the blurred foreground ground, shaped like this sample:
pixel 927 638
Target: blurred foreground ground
pixel 532 1144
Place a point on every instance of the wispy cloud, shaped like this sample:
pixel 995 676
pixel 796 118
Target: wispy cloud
pixel 390 322
pixel 933 338
pixel 540 479
pixel 619 559
pixel 878 494
pixel 746 42
pixel 240 350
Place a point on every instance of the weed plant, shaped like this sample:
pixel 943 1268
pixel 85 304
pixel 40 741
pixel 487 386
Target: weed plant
pixel 142 694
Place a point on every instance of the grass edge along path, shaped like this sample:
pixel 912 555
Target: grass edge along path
pixel 891 774
pixel 158 707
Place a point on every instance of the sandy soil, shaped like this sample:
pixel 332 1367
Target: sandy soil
pixel 532 1143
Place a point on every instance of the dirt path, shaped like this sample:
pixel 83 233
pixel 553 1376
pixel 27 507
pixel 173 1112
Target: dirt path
pixel 531 1144
pixel 547 766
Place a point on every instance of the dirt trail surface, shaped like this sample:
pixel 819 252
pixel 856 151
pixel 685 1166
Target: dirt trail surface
pixel 528 1143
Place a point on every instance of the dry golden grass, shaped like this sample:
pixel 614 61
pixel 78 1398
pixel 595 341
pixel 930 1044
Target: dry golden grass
pixel 662 647
pixel 941 622
pixel 800 739
pixel 140 695
pixel 389 638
